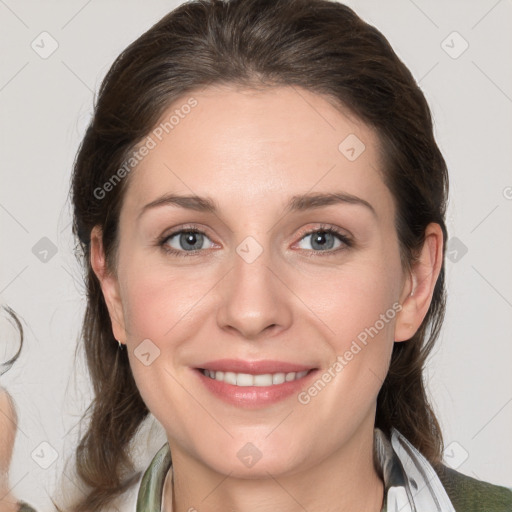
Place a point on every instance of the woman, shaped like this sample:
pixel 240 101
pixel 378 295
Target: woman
pixel 260 203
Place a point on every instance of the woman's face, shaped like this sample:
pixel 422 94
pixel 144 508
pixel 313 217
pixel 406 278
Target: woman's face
pixel 261 283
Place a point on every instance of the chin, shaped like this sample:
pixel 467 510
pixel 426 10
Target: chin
pixel 248 462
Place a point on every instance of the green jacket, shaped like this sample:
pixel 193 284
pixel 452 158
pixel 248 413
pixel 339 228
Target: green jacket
pixel 471 495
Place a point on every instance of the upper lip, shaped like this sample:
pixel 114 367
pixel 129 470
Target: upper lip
pixel 253 367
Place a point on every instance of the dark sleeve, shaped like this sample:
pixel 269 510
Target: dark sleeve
pixel 25 507
pixel 471 495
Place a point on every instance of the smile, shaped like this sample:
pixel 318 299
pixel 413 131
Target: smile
pixel 254 384
pixel 261 380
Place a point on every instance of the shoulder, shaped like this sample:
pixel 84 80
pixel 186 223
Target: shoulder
pixel 471 495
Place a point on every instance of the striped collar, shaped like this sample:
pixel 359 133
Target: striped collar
pixel 410 482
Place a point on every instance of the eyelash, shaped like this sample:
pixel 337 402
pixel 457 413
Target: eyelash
pixel 323 229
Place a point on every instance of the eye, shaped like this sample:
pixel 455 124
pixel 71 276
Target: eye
pixel 191 241
pixel 324 239
pixel 185 241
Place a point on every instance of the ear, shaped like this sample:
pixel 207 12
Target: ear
pixel 419 286
pixel 109 285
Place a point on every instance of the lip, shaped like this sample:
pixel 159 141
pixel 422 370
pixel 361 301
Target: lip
pixel 254 397
pixel 253 367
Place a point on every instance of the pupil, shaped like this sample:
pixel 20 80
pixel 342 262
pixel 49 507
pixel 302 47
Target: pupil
pixel 320 236
pixel 191 238
pixel 320 240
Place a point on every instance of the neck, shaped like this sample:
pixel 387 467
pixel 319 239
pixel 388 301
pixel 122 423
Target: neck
pixel 345 481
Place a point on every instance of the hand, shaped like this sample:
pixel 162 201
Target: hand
pixel 8 426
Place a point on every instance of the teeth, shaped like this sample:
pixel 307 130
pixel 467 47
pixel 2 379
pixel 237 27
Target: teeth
pixel 246 379
pixel 278 378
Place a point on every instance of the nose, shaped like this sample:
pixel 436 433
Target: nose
pixel 255 300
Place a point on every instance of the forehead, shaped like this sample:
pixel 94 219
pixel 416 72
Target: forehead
pixel 247 146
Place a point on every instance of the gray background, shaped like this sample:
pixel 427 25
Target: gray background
pixel 45 106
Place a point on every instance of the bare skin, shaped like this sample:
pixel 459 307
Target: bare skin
pixel 250 152
pixel 8 421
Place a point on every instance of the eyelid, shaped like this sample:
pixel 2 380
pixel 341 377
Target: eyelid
pixel 324 227
pixel 185 227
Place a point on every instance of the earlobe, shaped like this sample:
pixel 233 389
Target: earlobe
pixel 109 285
pixel 419 287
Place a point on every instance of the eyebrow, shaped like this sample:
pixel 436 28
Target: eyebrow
pixel 296 203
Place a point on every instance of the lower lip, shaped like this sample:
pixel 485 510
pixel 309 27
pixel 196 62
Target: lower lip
pixel 254 396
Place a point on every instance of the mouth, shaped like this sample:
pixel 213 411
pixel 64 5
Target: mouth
pixel 254 384
pixel 259 380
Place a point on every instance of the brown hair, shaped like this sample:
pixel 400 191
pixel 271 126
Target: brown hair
pixel 320 45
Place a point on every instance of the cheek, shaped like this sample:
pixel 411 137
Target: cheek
pixel 352 298
pixel 150 312
pixel 155 300
pixel 162 309
pixel 359 337
pixel 356 308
